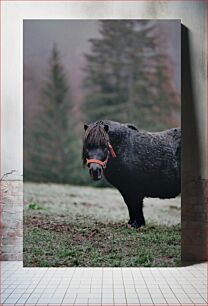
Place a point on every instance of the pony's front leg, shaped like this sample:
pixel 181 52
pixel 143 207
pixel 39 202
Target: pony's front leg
pixel 136 222
pixel 135 208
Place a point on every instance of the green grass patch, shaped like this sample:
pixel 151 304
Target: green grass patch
pixel 56 241
pixel 34 206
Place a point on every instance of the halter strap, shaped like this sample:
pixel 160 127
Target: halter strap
pixel 97 161
pixel 111 150
pixel 100 162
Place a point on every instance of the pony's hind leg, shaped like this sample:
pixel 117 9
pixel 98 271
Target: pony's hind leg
pixel 141 211
pixel 135 208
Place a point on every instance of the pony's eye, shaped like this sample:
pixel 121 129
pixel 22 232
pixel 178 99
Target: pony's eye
pixel 87 153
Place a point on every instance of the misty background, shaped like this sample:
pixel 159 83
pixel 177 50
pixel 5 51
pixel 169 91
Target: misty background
pixel 79 71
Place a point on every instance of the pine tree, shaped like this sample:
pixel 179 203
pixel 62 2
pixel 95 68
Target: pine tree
pixel 126 75
pixel 51 155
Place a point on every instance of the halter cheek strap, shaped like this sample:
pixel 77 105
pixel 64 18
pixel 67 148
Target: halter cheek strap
pixel 111 150
pixel 100 162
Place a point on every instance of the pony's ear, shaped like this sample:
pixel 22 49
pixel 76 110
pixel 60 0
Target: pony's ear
pixel 132 126
pixel 106 128
pixel 85 127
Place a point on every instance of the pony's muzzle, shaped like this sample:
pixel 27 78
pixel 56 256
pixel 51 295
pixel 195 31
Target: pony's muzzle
pixel 95 171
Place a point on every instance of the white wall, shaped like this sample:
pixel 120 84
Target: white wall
pixel 192 15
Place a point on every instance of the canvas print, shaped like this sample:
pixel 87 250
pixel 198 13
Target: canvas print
pixel 102 143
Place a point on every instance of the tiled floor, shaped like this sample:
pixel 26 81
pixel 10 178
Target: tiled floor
pixel 103 286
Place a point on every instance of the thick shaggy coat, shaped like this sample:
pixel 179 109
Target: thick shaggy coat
pixel 146 164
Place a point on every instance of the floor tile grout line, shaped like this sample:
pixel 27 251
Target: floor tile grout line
pixel 46 270
pixel 91 278
pixel 172 276
pixel 147 286
pixel 4 300
pixel 156 274
pixel 159 287
pixel 169 286
pixel 102 286
pixel 201 294
pixel 135 286
pixel 189 294
pixel 123 284
pixel 69 286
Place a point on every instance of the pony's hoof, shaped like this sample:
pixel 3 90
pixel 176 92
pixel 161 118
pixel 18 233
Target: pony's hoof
pixel 136 224
pixel 129 223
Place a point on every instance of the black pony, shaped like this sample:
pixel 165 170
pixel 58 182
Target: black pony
pixel 139 164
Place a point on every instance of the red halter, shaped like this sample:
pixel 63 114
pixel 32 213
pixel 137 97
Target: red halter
pixel 100 162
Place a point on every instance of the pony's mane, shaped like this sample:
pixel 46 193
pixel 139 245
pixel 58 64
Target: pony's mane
pixel 95 136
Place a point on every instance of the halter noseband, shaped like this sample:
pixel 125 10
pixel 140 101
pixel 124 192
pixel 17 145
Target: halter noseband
pixel 100 162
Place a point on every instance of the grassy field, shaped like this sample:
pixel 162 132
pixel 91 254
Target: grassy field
pixel 82 226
